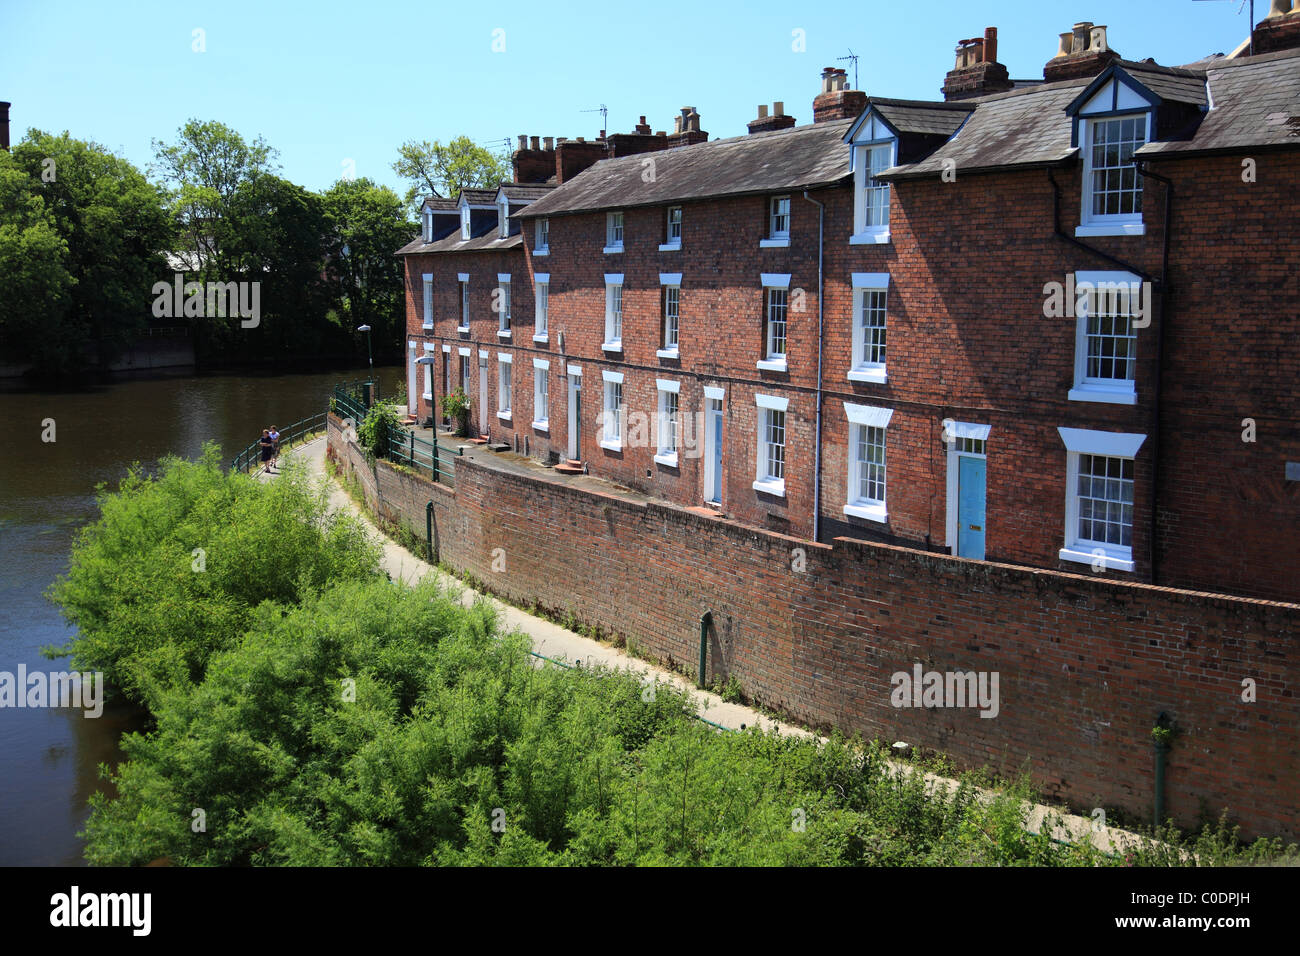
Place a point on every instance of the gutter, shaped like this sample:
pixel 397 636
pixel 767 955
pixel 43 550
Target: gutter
pixel 817 442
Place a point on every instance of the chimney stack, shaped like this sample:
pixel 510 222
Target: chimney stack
pixel 531 162
pixel 836 101
pixel 642 128
pixel 775 120
pixel 977 71
pixel 1280 30
pixel 1084 52
pixel 4 125
pixel 534 142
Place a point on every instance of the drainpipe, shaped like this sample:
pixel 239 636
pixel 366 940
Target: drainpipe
pixel 1163 287
pixel 1161 753
pixel 705 620
pixel 428 529
pixel 817 444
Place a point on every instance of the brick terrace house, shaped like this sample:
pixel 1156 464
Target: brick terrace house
pixel 1046 322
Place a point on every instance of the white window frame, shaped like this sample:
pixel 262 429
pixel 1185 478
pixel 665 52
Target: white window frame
pixel 503 218
pixel 541 306
pixel 613 413
pixel 673 244
pixel 504 323
pixel 1081 441
pixel 541 394
pixel 862 369
pixel 865 231
pixel 763 480
pixel 777 237
pixel 668 438
pixel 613 232
pixel 1116 224
pixel 542 237
pixel 462 279
pixel 427 225
pixel 505 385
pixel 771 362
pixel 464 223
pixel 668 282
pixel 613 317
pixel 869 417
pixel 428 299
pixel 1090 389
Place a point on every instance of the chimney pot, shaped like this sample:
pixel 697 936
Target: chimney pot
pixel 548 143
pixel 582 139
pixel 1098 37
pixel 778 108
pixel 762 111
pixel 535 143
pixel 990 44
pixel 1080 37
pixel 523 141
pixel 1065 44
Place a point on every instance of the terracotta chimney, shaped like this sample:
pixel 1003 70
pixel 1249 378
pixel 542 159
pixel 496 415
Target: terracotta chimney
pixel 836 101
pixel 1084 51
pixel 1280 30
pixel 977 71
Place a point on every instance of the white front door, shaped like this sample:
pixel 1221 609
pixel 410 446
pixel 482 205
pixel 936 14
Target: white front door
pixel 575 417
pixel 482 395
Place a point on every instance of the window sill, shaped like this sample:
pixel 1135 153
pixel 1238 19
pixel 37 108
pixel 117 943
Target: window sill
pixel 1111 560
pixel 771 486
pixel 668 354
pixel 1110 396
pixel 463 329
pixel 504 416
pixel 542 426
pixel 541 338
pixel 611 250
pixel 875 376
pixel 773 365
pixel 428 326
pixel 868 512
pixel 612 346
pixel 542 252
pixel 504 333
pixel 427 396
pixel 668 461
pixel 779 243
pixel 671 247
pixel 1112 229
pixel 611 444
pixel 869 238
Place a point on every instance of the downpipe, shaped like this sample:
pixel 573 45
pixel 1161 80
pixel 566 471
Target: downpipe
pixel 817 443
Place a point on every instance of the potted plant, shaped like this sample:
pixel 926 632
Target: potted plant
pixel 456 407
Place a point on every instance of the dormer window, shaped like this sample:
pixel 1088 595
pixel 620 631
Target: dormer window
pixel 503 218
pixel 1112 185
pixel 874 146
pixel 464 223
pixel 428 225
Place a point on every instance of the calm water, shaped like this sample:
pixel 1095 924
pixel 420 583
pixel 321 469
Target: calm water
pixel 49 758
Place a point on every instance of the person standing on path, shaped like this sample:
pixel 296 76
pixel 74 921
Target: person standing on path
pixel 268 449
pixel 275 447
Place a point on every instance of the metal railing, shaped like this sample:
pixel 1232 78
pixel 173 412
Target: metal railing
pixel 290 435
pixel 425 457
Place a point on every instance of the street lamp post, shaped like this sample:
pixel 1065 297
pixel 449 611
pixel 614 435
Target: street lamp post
pixel 370 356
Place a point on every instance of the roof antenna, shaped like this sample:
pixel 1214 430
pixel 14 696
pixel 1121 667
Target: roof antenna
pixel 854 57
pixel 603 110
pixel 1252 21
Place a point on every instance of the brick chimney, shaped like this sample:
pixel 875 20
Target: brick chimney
pixel 776 120
pixel 1084 51
pixel 977 71
pixel 1280 30
pixel 532 163
pixel 835 101
pixel 4 125
pixel 642 128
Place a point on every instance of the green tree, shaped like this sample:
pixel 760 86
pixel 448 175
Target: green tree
pixel 368 223
pixel 115 230
pixel 445 169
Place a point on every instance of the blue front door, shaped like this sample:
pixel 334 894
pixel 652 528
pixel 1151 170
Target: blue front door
pixel 970 507
pixel 715 493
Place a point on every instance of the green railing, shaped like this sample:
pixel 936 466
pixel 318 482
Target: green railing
pixel 294 433
pixel 425 457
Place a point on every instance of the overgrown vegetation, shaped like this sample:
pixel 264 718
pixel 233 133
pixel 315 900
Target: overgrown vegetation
pixel 373 432
pixel 325 716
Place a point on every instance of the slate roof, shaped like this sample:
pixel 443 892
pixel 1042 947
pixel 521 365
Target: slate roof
pixel 438 204
pixel 490 241
pixel 788 159
pixel 1172 83
pixel 1256 104
pixel 922 116
pixel 1025 128
pixel 525 192
pixel 479 197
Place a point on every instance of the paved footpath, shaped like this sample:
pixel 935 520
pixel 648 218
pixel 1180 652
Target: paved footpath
pixel 556 642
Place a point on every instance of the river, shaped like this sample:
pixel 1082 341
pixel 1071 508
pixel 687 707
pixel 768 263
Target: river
pixel 49 757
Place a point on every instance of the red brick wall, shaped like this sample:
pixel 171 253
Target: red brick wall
pixel 1085 665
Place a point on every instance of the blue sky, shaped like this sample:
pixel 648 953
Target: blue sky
pixel 328 82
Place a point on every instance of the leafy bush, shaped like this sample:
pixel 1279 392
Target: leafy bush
pixel 379 422
pixel 171 571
